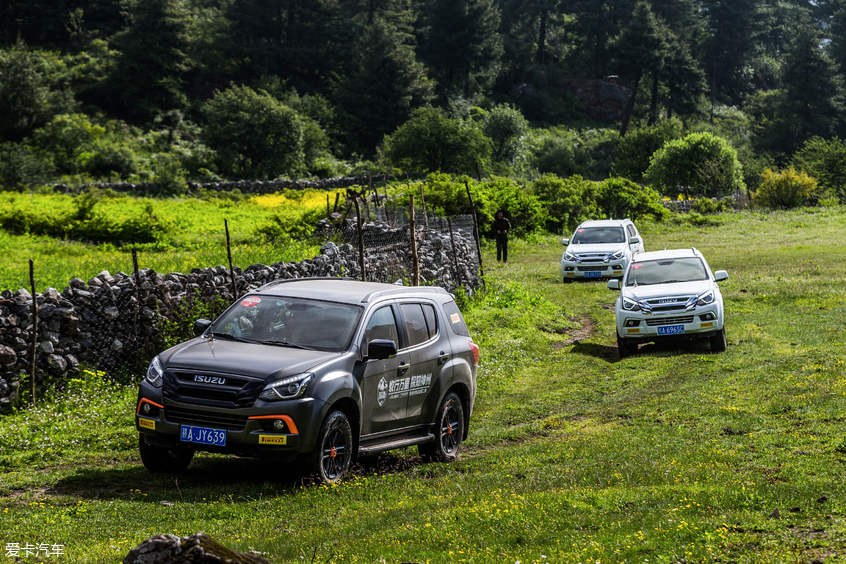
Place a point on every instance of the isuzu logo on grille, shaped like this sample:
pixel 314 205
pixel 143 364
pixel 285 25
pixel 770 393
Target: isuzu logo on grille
pixel 667 301
pixel 209 379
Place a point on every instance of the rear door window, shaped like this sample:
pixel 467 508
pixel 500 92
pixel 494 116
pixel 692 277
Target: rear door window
pixel 455 319
pixel 431 320
pixel 415 324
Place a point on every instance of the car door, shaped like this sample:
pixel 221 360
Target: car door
pixel 382 410
pixel 638 247
pixel 430 351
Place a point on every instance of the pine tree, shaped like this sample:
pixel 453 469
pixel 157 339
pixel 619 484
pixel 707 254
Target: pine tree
pixel 640 48
pixel 149 75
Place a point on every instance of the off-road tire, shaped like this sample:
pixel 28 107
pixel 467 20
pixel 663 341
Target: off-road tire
pixel 449 431
pixel 160 460
pixel 332 455
pixel 625 348
pixel 718 341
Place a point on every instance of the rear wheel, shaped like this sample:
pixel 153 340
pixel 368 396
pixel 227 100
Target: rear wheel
pixel 625 348
pixel 449 431
pixel 718 341
pixel 162 460
pixel 332 454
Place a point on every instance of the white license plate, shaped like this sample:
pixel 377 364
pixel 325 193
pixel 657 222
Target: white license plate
pixel 596 274
pixel 203 435
pixel 671 330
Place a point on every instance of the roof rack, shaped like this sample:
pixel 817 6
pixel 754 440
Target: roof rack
pixel 286 280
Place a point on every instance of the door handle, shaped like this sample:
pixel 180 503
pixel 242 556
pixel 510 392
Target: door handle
pixel 403 368
pixel 443 358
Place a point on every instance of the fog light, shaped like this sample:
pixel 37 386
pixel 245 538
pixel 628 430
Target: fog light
pixel 617 267
pixel 146 409
pixel 569 268
pixel 632 322
pixel 707 317
pixel 278 424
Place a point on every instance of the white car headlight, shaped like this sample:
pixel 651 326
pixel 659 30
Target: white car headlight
pixel 154 373
pixel 287 388
pixel 630 305
pixel 706 298
pixel 569 257
pixel 618 255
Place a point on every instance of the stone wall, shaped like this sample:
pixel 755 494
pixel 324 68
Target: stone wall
pixel 112 323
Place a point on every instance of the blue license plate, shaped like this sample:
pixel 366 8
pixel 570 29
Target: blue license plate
pixel 595 274
pixel 671 330
pixel 203 435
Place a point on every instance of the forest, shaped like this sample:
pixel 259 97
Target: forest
pixel 732 96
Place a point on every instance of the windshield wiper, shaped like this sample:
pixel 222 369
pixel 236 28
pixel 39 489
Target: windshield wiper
pixel 287 344
pixel 228 337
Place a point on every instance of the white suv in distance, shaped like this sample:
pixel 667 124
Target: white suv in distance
pixel 669 295
pixel 600 248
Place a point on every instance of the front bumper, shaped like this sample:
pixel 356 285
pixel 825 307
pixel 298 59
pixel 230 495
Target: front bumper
pixel 248 431
pixel 639 328
pixel 575 270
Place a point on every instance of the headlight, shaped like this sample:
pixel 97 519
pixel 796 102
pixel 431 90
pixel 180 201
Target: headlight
pixel 618 255
pixel 706 298
pixel 630 305
pixel 570 257
pixel 287 388
pixel 154 373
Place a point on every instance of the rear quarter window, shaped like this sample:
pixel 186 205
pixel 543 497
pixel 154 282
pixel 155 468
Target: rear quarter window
pixel 455 320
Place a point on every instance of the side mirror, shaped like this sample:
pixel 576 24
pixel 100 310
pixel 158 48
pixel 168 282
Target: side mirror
pixel 721 275
pixel 381 349
pixel 200 326
pixel 634 240
pixel 614 284
pixel 565 241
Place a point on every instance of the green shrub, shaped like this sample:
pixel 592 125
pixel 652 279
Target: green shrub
pixel 700 161
pixel 568 201
pixel 785 189
pixel 20 166
pixel 290 224
pixel 635 150
pixel 826 162
pixel 69 140
pixel 708 205
pixel 506 127
pixel 169 176
pixel 566 152
pixel 620 198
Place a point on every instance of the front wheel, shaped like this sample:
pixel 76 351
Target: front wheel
pixel 332 454
pixel 625 348
pixel 449 431
pixel 718 341
pixel 161 460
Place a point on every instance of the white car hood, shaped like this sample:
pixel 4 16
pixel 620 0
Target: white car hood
pixel 595 248
pixel 666 290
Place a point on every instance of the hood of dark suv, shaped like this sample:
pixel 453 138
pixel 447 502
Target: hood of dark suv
pixel 247 359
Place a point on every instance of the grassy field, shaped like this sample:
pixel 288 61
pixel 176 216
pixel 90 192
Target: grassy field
pixel 195 237
pixel 673 455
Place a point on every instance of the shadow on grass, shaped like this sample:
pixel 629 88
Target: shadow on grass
pixel 602 352
pixel 209 476
pixel 611 355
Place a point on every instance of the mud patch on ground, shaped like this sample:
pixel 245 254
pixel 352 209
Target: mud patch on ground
pixel 575 335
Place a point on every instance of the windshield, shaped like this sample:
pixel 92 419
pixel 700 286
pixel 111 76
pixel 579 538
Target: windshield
pixel 666 271
pixel 291 322
pixel 595 235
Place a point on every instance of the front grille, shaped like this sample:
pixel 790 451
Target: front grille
pixel 591 268
pixel 236 391
pixel 207 393
pixel 216 420
pixel 670 321
pixel 665 308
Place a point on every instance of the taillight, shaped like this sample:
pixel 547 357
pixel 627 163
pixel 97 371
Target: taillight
pixel 475 350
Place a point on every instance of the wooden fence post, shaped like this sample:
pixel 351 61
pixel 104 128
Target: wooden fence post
pixel 139 301
pixel 360 239
pixel 229 255
pixel 454 255
pixel 415 262
pixel 476 232
pixel 34 329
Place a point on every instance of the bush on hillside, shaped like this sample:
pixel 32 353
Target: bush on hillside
pixel 785 189
pixel 825 160
pixel 620 198
pixel 699 162
pixel 20 166
pixel 568 201
pixel 635 150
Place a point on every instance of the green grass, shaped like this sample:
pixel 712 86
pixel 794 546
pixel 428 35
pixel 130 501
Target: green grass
pixel 672 455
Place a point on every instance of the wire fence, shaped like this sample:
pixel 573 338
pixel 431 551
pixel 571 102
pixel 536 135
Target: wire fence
pixel 111 318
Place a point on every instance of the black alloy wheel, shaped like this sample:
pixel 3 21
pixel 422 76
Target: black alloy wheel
pixel 718 341
pixel 449 431
pixel 625 348
pixel 333 451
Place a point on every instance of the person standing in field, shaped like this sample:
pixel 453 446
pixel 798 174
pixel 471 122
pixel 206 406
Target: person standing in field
pixel 501 227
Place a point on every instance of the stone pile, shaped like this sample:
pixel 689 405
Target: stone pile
pixel 113 324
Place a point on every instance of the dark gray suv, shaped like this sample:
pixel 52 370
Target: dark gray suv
pixel 320 369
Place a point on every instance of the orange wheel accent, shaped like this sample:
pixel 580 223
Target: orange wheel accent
pixel 333 452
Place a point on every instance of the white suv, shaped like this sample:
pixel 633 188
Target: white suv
pixel 667 295
pixel 600 248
